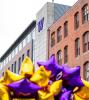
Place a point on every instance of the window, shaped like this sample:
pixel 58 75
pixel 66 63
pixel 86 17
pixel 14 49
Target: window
pixel 12 68
pixel 15 67
pixel 85 13
pixel 16 49
pixel 76 20
pixel 8 68
pixel 59 35
pixel 20 46
pixel 65 28
pixel 1 66
pixel 6 60
pixel 22 57
pixel 86 71
pixel 77 47
pixel 59 57
pixel 28 53
pixel 52 39
pixel 86 41
pixel 23 43
pixel 12 54
pixel 3 74
pixel 65 54
pixel 29 37
pixel 9 57
pixel 19 64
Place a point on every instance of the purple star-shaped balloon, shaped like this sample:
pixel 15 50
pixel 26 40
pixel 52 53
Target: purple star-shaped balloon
pixel 66 95
pixel 24 88
pixel 51 65
pixel 71 77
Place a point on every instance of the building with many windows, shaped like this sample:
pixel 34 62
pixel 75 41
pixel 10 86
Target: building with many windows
pixel 33 41
pixel 68 38
pixel 23 46
pixel 48 14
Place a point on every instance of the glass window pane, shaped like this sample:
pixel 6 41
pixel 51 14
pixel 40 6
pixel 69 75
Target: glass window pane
pixel 19 63
pixel 65 28
pixel 28 53
pixel 86 71
pixel 52 39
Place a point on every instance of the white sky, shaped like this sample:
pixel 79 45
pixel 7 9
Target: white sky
pixel 16 15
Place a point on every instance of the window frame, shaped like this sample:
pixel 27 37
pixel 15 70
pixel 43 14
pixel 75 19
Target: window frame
pixel 85 13
pixel 59 57
pixel 76 21
pixel 77 47
pixel 66 54
pixel 23 55
pixel 86 41
pixel 53 39
pixel 86 66
pixel 59 35
pixel 28 52
pixel 65 29
pixel 19 64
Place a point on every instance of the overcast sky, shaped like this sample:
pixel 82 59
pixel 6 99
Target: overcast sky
pixel 16 15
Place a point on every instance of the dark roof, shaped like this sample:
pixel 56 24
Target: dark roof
pixel 19 39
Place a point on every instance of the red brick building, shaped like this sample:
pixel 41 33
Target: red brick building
pixel 68 37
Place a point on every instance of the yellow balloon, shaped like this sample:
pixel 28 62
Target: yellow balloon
pixel 27 67
pixel 78 98
pixel 56 86
pixel 41 76
pixel 84 91
pixel 4 93
pixel 85 83
pixel 10 77
pixel 44 95
pixel 24 99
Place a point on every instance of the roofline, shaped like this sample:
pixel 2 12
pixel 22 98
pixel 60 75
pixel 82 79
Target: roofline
pixel 19 39
pixel 71 7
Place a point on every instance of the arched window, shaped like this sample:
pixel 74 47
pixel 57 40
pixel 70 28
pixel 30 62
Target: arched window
pixel 59 57
pixel 59 34
pixel 76 20
pixel 85 13
pixel 86 41
pixel 86 71
pixel 77 47
pixel 52 39
pixel 65 29
pixel 65 54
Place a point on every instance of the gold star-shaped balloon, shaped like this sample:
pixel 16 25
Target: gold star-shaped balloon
pixel 84 91
pixel 41 77
pixel 24 99
pixel 56 86
pixel 44 95
pixel 76 97
pixel 4 93
pixel 10 77
pixel 27 67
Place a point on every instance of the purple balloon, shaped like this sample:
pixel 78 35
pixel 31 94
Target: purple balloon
pixel 71 77
pixel 51 65
pixel 66 95
pixel 24 87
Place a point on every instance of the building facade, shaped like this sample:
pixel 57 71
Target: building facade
pixel 68 38
pixel 33 41
pixel 22 47
pixel 48 14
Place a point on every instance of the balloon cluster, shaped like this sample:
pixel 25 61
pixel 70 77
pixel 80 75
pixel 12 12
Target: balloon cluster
pixel 50 82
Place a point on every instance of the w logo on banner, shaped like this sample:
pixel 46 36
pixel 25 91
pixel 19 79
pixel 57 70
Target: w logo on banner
pixel 40 24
